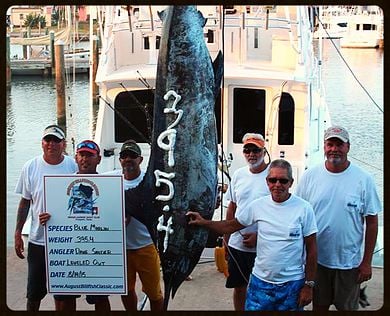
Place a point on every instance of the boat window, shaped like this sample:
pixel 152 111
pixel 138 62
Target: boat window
pixel 369 27
pixel 286 120
pixel 130 110
pixel 229 9
pixel 210 36
pixel 147 42
pixel 248 112
pixel 256 38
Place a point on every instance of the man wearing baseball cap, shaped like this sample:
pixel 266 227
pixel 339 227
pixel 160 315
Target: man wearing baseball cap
pixel 30 186
pixel 346 204
pixel 248 183
pixel 54 130
pixel 87 158
pixel 142 255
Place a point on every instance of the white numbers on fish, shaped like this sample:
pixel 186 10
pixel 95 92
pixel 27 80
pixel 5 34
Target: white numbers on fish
pixel 170 132
pixel 164 177
pixel 171 135
pixel 168 230
pixel 172 109
pixel 166 180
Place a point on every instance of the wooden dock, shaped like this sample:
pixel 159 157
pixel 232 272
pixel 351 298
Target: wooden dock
pixel 42 67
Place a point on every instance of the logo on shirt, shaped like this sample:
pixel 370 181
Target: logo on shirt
pixel 294 233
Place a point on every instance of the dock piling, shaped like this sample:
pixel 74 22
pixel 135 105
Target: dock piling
pixel 60 83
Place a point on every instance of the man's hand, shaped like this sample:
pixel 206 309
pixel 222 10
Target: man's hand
pixel 305 296
pixel 43 218
pixel 364 272
pixel 194 218
pixel 19 245
pixel 249 239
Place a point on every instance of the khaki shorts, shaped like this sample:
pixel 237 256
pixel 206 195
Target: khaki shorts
pixel 337 287
pixel 146 262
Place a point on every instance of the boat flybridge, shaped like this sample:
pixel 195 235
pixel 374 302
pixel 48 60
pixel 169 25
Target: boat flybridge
pixel 271 85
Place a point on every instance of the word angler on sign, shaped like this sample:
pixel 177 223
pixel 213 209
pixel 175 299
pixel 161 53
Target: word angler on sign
pixel 164 177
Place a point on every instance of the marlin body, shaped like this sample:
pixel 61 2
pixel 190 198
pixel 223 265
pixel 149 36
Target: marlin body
pixel 182 170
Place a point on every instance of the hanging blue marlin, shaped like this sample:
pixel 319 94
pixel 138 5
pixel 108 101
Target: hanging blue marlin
pixel 182 169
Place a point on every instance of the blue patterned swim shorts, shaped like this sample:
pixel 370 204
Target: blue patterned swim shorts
pixel 264 296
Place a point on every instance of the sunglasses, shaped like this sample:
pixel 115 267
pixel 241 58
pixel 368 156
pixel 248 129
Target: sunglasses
pixel 49 139
pixel 281 180
pixel 88 145
pixel 255 150
pixel 129 154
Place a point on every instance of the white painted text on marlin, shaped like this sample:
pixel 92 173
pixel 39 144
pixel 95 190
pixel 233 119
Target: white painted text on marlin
pixel 168 230
pixel 170 134
pixel 166 180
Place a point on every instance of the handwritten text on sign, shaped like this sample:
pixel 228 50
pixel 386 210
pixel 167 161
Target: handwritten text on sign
pixel 85 242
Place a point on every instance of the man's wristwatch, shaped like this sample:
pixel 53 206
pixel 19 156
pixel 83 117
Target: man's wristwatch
pixel 310 283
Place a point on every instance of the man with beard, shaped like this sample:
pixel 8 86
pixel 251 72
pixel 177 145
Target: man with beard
pixel 142 255
pixel 346 205
pixel 282 278
pixel 248 183
pixel 87 158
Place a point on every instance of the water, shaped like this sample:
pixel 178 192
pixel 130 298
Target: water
pixel 31 105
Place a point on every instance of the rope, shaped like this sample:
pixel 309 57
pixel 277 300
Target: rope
pixel 372 166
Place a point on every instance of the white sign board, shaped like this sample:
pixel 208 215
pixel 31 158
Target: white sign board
pixel 85 236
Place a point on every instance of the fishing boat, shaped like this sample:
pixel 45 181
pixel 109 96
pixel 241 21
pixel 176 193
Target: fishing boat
pixel 364 29
pixel 272 81
pixel 332 22
pixel 271 85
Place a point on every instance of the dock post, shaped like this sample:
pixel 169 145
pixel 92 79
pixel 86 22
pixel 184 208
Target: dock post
pixel 60 83
pixel 8 70
pixel 46 33
pixel 25 46
pixel 52 54
pixel 29 48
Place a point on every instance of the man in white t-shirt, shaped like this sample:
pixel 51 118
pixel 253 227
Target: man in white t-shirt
pixel 30 186
pixel 87 158
pixel 248 183
pixel 282 278
pixel 142 255
pixel 345 204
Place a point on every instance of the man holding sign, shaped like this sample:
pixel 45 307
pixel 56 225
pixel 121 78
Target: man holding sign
pixel 87 158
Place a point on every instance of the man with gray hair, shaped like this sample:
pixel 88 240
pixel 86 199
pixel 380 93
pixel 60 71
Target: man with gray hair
pixel 248 183
pixel 282 278
pixel 345 204
pixel 31 188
